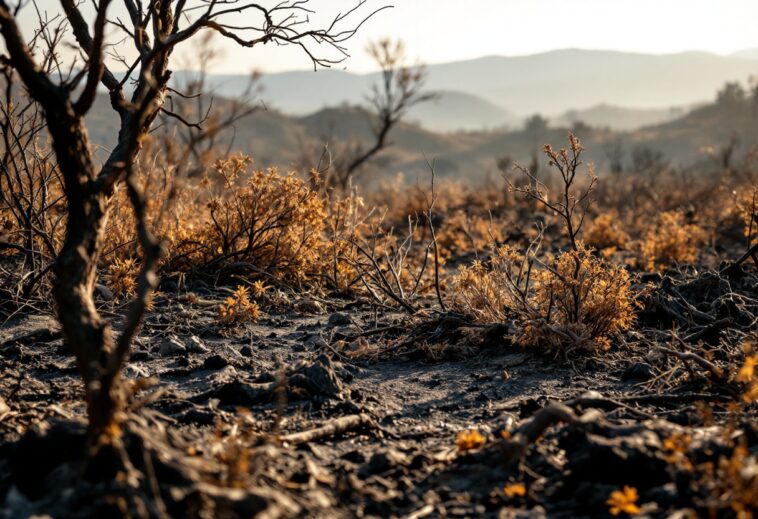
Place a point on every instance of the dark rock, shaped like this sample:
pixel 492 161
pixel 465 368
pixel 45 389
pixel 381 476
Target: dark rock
pixel 171 346
pixel 638 371
pixel 169 286
pixel 265 377
pixel 238 393
pixel 215 362
pixel 314 341
pixel 237 502
pixel 338 319
pixel 139 356
pixel 195 345
pixel 103 292
pixel 384 461
pixel 354 456
pixel 317 378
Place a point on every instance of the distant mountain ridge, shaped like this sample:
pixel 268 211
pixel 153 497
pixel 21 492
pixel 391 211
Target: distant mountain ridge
pixel 500 91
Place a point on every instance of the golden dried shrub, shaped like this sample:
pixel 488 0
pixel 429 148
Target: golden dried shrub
pixel 490 292
pixel 575 302
pixel 670 239
pixel 606 233
pixel 581 301
pixel 746 201
pixel 461 233
pixel 345 223
pixel 273 222
pixel 262 220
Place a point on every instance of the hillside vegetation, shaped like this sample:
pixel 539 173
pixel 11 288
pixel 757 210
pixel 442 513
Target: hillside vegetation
pixel 691 140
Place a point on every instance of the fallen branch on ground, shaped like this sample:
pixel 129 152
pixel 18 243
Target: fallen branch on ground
pixel 333 428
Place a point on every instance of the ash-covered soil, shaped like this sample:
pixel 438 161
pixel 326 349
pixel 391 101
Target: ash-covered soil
pixel 328 407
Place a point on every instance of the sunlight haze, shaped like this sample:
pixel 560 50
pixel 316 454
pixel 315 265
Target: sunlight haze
pixel 438 31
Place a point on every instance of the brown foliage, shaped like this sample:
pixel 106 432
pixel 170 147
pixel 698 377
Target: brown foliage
pixel 574 302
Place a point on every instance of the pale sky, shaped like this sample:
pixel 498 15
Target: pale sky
pixel 448 30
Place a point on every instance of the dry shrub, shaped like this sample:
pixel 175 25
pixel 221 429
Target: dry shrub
pixel 398 199
pixel 461 233
pixel 392 265
pixel 606 233
pixel 670 239
pixel 32 208
pixel 575 302
pixel 273 222
pixel 346 222
pixel 746 202
pixel 725 477
pixel 261 221
pixel 238 308
pixel 748 376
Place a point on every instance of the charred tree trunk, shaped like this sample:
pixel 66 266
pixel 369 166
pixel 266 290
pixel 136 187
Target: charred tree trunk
pixel 86 333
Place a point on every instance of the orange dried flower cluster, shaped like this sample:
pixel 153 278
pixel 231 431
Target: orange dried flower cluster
pixel 469 440
pixel 748 375
pixel 121 276
pixel 514 490
pixel 624 501
pixel 238 308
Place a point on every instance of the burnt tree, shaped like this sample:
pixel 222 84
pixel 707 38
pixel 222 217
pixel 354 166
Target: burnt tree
pixel 153 30
pixel 399 89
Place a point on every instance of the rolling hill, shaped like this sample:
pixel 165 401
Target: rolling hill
pixel 619 118
pixel 493 91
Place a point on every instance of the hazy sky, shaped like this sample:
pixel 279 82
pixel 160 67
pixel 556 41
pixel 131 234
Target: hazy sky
pixel 447 30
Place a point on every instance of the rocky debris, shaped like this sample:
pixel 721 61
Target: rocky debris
pixel 314 341
pixel 701 306
pixel 338 319
pixel 383 462
pixel 375 435
pixel 195 345
pixel 29 330
pixel 171 346
pixel 317 378
pixel 309 307
pixel 237 502
pixel 308 380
